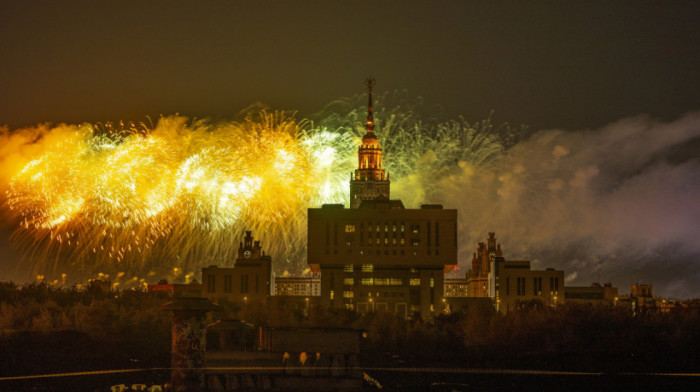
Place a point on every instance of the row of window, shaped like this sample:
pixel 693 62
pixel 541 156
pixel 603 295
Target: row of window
pixel 351 294
pixel 536 286
pixel 415 228
pixel 385 282
pixel 228 284
pixel 386 252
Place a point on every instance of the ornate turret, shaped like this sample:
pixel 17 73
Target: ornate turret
pixel 369 181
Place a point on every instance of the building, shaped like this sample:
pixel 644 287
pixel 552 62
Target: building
pixel 509 283
pixel 478 276
pixel 512 283
pixel 455 288
pixel 298 286
pixel 249 279
pixel 641 290
pixel 378 255
pixel 593 294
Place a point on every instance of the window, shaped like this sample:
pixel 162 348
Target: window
pixel 415 229
pixel 348 294
pixel 348 268
pixel 402 227
pixel 244 284
pixel 521 286
pixel 537 286
pixel 396 282
pixel 349 228
pixel 211 283
pixel 367 267
pixel 381 281
pixel 402 241
pixel 393 228
pixel 415 242
pixel 348 281
pixel 367 281
pixel 332 294
pixel 227 284
pixel 386 227
pixel 432 282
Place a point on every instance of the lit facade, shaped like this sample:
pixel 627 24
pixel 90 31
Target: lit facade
pixel 482 259
pixel 369 181
pixel 456 288
pixel 377 255
pixel 249 279
pixel 295 286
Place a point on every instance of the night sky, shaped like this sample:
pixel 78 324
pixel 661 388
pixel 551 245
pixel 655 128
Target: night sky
pixel 551 64
pixel 594 83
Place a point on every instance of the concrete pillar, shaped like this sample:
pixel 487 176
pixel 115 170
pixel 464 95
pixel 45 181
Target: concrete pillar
pixel 189 342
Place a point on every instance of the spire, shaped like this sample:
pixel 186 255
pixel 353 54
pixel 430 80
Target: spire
pixel 370 83
pixel 370 181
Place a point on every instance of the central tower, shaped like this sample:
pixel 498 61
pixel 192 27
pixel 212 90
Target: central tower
pixel 369 181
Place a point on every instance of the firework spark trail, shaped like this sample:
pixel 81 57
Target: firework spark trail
pixel 97 197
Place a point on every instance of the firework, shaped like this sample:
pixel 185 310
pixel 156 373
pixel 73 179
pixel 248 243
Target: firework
pixel 180 194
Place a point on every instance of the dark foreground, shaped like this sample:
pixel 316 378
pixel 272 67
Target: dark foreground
pixel 411 379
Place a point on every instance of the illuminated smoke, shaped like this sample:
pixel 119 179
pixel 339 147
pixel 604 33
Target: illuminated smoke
pixel 143 200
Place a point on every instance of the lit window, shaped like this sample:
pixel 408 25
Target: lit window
pixel 381 281
pixel 414 282
pixel 396 282
pixel 348 268
pixel 349 228
pixel 402 241
pixel 386 227
pixel 432 282
pixel 349 281
pixel 415 229
pixel 415 242
pixel 367 281
pixel 348 294
pixel 386 241
pixel 367 267
pixel 394 228
pixel 332 294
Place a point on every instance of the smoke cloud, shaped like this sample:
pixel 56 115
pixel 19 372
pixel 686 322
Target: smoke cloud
pixel 622 201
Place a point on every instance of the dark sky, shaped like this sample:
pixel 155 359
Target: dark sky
pixel 545 64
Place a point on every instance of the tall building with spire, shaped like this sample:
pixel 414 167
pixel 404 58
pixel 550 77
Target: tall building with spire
pixel 377 255
pixel 369 182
